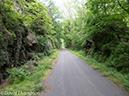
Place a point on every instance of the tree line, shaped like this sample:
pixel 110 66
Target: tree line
pixel 101 29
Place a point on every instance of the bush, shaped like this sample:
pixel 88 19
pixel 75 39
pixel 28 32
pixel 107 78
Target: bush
pixel 53 54
pixel 18 75
pixel 120 57
pixel 43 43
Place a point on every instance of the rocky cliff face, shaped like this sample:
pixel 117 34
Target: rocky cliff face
pixel 15 51
pixel 17 44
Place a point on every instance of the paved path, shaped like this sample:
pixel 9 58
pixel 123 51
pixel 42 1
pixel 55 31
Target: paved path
pixel 73 77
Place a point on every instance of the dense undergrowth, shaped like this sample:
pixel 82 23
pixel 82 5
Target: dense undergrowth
pixel 119 78
pixel 30 77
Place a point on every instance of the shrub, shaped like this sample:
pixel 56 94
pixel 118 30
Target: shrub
pixel 18 75
pixel 120 57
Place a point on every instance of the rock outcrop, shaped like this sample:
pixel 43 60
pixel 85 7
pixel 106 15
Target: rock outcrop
pixel 17 43
pixel 14 51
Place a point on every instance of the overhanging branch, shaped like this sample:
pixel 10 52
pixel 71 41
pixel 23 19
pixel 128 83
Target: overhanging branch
pixel 122 6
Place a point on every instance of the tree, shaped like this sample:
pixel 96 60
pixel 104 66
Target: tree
pixel 99 27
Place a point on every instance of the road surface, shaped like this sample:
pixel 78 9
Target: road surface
pixel 73 77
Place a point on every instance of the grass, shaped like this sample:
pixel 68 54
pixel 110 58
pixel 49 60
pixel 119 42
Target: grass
pixel 34 82
pixel 112 74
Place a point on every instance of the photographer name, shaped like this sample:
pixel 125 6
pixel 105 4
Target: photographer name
pixel 18 93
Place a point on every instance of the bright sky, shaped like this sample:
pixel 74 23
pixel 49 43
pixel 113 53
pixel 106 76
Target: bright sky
pixel 60 4
pixel 62 8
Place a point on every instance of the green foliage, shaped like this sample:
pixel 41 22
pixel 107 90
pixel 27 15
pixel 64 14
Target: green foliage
pixel 40 56
pixel 36 18
pixel 120 57
pixel 9 18
pixel 38 88
pixel 53 54
pixel 105 25
pixel 101 30
pixel 22 80
pixel 18 75
pixel 43 43
pixel 45 25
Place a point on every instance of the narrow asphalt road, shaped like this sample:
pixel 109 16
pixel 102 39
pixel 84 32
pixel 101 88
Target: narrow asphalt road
pixel 73 77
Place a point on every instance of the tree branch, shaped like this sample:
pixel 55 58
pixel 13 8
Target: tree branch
pixel 122 6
